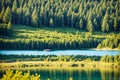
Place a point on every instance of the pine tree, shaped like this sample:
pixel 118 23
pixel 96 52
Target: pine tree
pixel 115 23
pixel 81 24
pixel 35 18
pixel 105 23
pixel 119 46
pixel 27 17
pixel 107 27
pixel 1 14
pixel 90 26
pixel 9 25
pixel 14 12
pixel 7 16
pixel 51 22
pixel 99 46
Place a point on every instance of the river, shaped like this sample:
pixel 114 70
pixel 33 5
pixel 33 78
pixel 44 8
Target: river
pixel 62 52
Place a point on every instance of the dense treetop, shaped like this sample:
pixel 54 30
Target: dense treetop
pixel 90 15
pixel 84 15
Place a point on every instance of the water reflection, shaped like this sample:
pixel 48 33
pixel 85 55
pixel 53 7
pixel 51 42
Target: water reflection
pixel 76 74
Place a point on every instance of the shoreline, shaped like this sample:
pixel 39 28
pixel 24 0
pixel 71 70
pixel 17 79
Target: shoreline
pixel 61 64
pixel 104 48
pixel 115 49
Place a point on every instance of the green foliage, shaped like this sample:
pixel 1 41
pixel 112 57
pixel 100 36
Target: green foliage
pixel 99 46
pixel 19 75
pixel 9 25
pixel 105 25
pixel 71 78
pixel 34 18
pixel 90 26
pixel 111 59
pixel 64 58
pixel 5 29
pixel 28 38
pixel 51 22
pixel 7 16
pixel 79 14
pixel 112 42
pixel 115 23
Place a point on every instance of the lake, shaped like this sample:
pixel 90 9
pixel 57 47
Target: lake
pixel 75 73
pixel 72 73
pixel 63 52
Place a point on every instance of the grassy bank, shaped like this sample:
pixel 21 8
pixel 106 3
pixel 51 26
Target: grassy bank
pixel 40 64
pixel 25 61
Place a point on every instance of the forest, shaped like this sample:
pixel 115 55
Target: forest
pixel 90 15
pixel 56 58
pixel 86 15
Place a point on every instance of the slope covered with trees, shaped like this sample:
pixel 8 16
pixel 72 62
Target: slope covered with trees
pixel 90 15
pixel 86 15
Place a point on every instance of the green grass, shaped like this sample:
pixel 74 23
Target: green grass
pixel 21 31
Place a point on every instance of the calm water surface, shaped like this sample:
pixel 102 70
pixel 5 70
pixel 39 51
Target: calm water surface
pixel 76 74
pixel 62 52
pixel 70 73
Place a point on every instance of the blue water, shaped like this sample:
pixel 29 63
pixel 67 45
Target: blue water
pixel 62 52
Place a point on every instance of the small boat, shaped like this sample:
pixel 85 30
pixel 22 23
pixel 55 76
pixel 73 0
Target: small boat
pixel 46 50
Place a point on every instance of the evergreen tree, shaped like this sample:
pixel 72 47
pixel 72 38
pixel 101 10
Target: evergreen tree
pixel 51 22
pixel 9 25
pixel 14 12
pixel 90 26
pixel 35 18
pixel 105 23
pixel 27 17
pixel 1 14
pixel 81 23
pixel 115 23
pixel 7 16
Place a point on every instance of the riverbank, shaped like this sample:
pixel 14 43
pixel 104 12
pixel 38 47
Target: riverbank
pixel 62 64
pixel 106 49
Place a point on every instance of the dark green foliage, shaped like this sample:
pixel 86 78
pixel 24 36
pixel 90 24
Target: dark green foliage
pixel 66 58
pixel 112 42
pixel 88 15
pixel 51 22
pixel 51 43
pixel 110 59
pixel 35 18
pixel 81 14
pixel 7 16
pixel 5 29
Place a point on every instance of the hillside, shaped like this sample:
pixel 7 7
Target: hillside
pixel 61 24
pixel 89 15
pixel 30 38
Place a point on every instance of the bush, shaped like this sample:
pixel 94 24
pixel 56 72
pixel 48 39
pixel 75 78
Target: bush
pixel 5 30
pixel 19 75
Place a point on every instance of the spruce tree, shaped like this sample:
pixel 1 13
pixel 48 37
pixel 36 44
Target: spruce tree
pixel 7 15
pixel 9 25
pixel 105 23
pixel 81 23
pixel 115 23
pixel 35 18
pixel 51 22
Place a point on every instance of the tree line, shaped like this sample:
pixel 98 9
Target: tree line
pixel 111 58
pixel 112 42
pixel 52 43
pixel 90 15
pixel 66 58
